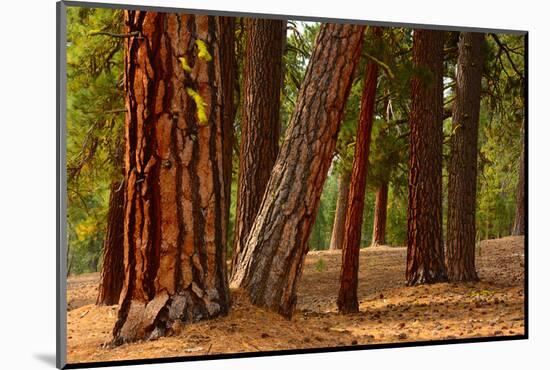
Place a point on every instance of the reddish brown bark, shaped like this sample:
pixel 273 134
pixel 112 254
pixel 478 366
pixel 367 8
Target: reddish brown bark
pixel 461 210
pixel 271 263
pixel 340 214
pixel 112 270
pixel 380 215
pixel 260 126
pixel 425 255
pixel 174 224
pixel 229 80
pixel 347 296
pixel 519 220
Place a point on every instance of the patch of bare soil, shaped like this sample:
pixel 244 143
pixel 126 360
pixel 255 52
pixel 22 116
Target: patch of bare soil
pixel 390 312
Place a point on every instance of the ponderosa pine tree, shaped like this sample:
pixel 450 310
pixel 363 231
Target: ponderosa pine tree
pixel 347 295
pixel 269 267
pixel 229 81
pixel 380 215
pixel 174 223
pixel 462 168
pixel 337 236
pixel 260 123
pixel 112 269
pixel 519 219
pixel 425 254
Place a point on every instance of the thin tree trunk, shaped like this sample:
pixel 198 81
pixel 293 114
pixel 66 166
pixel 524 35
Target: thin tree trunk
pixel 340 214
pixel 229 80
pixel 519 220
pixel 261 126
pixel 174 206
pixel 461 210
pixel 271 263
pixel 347 296
pixel 425 255
pixel 112 271
pixel 380 215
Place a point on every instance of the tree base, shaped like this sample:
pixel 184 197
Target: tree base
pixel 164 315
pixel 426 277
pixel 462 277
pixel 348 308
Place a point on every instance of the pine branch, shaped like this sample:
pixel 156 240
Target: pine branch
pixel 116 35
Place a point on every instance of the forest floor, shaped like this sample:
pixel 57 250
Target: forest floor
pixel 390 312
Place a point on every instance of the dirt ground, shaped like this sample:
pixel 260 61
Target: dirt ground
pixel 389 311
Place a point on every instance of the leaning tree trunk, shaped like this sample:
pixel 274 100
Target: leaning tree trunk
pixel 340 214
pixel 260 126
pixel 347 296
pixel 380 215
pixel 271 262
pixel 112 270
pixel 174 223
pixel 425 255
pixel 461 210
pixel 519 221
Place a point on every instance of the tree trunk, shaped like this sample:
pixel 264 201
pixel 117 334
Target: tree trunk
pixel 519 221
pixel 174 204
pixel 260 126
pixel 229 80
pixel 271 263
pixel 425 255
pixel 340 215
pixel 380 215
pixel 461 210
pixel 112 270
pixel 347 296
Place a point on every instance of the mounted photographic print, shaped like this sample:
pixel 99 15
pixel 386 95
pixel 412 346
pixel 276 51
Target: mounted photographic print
pixel 238 184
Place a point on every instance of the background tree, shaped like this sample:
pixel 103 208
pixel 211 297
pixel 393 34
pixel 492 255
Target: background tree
pixel 347 296
pixel 337 236
pixel 260 122
pixel 462 168
pixel 112 270
pixel 380 215
pixel 502 118
pixel 519 220
pixel 425 255
pixel 272 260
pixel 175 268
pixel 229 81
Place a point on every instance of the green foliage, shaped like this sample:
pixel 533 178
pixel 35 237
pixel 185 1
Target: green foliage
pixel 320 265
pixel 322 228
pixel 298 48
pixel 94 129
pixel 501 130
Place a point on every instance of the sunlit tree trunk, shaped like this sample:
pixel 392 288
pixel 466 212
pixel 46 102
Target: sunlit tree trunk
pixel 174 208
pixel 340 214
pixel 461 210
pixel 380 215
pixel 347 295
pixel 271 262
pixel 425 255
pixel 260 124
